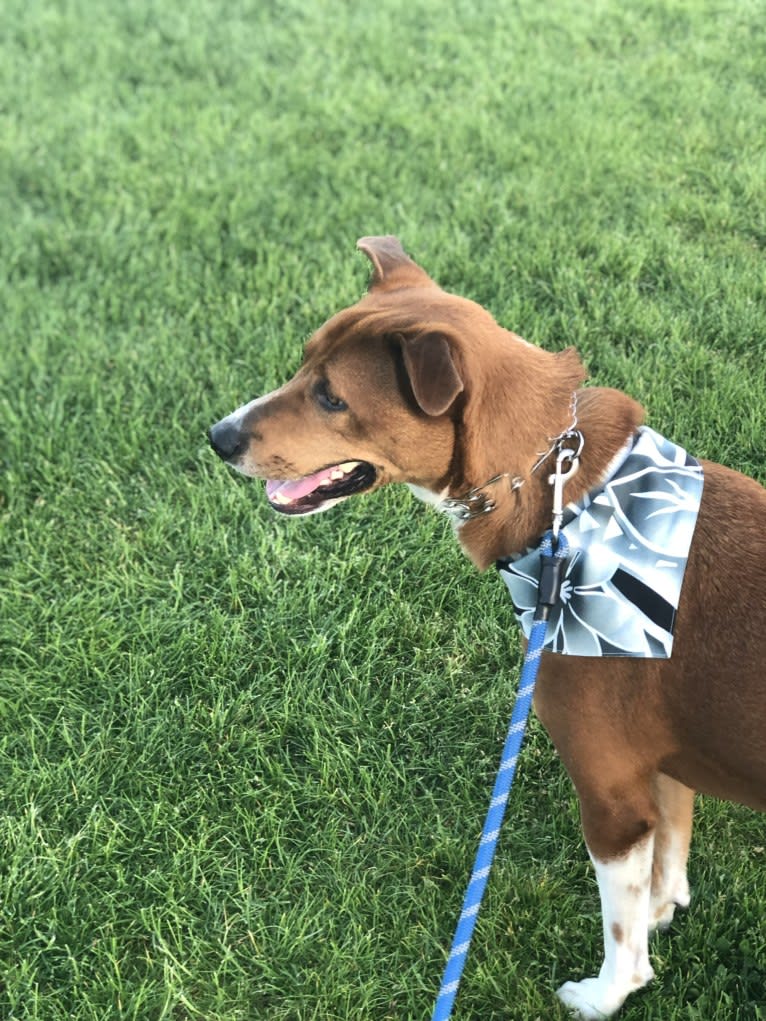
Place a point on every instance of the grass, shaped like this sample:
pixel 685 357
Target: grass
pixel 245 760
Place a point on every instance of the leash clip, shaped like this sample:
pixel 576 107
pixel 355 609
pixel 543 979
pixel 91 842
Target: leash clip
pixel 565 455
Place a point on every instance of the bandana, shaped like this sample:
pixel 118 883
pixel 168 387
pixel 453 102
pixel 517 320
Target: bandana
pixel 629 543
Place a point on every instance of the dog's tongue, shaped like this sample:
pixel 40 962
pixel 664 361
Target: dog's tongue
pixel 290 492
pixel 298 489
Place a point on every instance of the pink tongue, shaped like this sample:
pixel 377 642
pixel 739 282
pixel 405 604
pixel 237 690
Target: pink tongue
pixel 300 488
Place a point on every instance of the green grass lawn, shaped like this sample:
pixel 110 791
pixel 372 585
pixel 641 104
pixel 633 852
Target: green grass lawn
pixel 245 760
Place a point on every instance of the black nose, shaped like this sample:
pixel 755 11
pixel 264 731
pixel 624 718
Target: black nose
pixel 226 439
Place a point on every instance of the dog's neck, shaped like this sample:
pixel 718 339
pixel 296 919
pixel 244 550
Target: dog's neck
pixel 523 498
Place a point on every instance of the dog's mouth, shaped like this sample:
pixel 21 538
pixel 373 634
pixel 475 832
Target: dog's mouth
pixel 322 489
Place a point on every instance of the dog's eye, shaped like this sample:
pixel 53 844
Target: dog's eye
pixel 327 399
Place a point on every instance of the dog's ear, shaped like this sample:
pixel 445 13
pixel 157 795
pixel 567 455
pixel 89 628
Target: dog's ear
pixel 432 372
pixel 391 266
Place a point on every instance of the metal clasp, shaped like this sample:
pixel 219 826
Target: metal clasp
pixel 565 456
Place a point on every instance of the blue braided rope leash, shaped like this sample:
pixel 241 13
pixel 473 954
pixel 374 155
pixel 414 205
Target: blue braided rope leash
pixel 553 555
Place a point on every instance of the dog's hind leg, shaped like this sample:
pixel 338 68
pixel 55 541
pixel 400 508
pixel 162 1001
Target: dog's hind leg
pixel 670 888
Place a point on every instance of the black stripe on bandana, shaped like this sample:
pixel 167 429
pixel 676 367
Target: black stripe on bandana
pixel 649 602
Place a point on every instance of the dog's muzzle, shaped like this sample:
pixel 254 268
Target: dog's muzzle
pixel 302 494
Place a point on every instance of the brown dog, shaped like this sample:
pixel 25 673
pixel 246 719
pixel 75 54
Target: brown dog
pixel 415 385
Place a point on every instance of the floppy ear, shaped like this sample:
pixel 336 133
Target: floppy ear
pixel 391 266
pixel 433 376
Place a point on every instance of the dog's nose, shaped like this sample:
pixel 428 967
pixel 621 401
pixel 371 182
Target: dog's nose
pixel 226 439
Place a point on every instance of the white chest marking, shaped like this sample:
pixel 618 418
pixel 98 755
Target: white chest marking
pixel 427 496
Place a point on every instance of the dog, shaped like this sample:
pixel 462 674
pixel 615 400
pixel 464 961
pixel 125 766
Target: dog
pixel 416 385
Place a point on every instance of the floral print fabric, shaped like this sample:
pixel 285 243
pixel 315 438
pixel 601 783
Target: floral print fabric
pixel 629 542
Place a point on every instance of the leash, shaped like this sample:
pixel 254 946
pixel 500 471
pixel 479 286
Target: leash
pixel 553 562
pixel 553 554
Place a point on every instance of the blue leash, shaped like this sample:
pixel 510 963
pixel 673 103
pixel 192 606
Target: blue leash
pixel 553 561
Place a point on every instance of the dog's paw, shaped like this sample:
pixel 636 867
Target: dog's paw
pixel 592 999
pixel 661 917
pixel 585 999
pixel 661 913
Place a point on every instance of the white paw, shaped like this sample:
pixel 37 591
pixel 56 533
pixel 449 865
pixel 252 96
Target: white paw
pixel 682 894
pixel 593 1000
pixel 585 999
pixel 661 915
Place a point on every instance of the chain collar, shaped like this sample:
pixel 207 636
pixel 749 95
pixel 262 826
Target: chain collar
pixel 558 443
pixel 475 503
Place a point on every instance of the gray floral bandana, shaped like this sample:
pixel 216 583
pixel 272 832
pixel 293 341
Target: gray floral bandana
pixel 629 544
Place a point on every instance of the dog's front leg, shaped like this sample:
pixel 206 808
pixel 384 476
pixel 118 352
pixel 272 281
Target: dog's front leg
pixel 624 884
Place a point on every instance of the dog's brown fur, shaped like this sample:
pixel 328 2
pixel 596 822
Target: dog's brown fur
pixel 441 397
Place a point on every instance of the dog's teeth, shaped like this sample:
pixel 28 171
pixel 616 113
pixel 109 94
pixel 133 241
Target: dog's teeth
pixel 280 498
pixel 348 466
pixel 336 474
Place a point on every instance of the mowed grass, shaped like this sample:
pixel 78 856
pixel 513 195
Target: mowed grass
pixel 245 760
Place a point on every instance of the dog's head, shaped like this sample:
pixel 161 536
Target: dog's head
pixel 385 393
pixel 371 402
